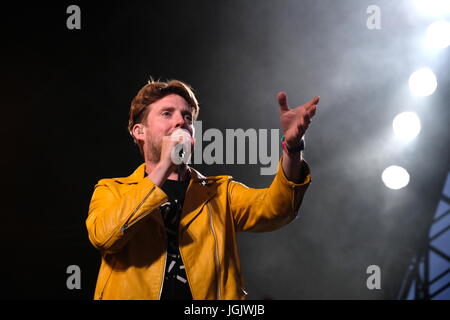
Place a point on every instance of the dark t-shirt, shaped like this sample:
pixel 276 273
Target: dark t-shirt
pixel 175 285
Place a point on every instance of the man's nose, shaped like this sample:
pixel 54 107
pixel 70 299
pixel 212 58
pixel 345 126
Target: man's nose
pixel 181 122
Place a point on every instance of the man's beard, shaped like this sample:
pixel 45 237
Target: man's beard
pixel 154 149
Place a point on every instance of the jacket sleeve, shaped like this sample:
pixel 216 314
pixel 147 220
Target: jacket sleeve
pixel 268 209
pixel 112 214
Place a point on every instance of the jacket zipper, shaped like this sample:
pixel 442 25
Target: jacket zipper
pixel 216 257
pixel 164 273
pixel 126 225
pixel 165 258
pixel 106 282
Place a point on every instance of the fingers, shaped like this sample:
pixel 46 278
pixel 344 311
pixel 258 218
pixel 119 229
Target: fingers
pixel 311 107
pixel 312 111
pixel 316 100
pixel 282 101
pixel 313 103
pixel 307 118
pixel 309 111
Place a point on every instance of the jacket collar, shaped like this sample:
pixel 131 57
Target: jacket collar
pixel 200 190
pixel 139 174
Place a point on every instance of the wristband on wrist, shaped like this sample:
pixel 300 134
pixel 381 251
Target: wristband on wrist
pixel 287 149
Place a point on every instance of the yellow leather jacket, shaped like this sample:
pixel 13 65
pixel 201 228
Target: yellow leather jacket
pixel 125 224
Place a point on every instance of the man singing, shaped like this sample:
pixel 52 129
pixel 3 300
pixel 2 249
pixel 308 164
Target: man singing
pixel 168 232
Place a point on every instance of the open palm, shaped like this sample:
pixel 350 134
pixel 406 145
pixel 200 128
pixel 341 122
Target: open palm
pixel 295 122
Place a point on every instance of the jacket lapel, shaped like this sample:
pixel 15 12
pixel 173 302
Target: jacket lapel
pixel 199 191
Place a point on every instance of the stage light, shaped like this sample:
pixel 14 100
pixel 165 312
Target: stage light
pixel 406 126
pixel 433 8
pixel 438 34
pixel 423 82
pixel 395 177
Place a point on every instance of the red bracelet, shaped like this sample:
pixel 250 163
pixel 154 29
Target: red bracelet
pixel 283 144
pixel 292 150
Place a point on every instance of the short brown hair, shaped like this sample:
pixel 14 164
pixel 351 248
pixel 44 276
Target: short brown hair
pixel 154 91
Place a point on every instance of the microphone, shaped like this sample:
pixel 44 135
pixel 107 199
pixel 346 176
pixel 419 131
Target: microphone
pixel 181 152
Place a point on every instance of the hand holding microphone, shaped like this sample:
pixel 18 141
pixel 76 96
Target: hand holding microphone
pixel 175 152
pixel 181 152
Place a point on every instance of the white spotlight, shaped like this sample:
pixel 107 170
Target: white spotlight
pixel 423 82
pixel 406 125
pixel 433 8
pixel 438 34
pixel 395 177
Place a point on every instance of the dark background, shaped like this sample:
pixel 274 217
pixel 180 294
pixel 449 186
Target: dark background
pixel 66 96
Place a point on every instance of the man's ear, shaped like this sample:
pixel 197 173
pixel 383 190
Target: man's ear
pixel 138 132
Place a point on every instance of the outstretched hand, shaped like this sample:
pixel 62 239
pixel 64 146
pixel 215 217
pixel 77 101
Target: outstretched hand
pixel 295 121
